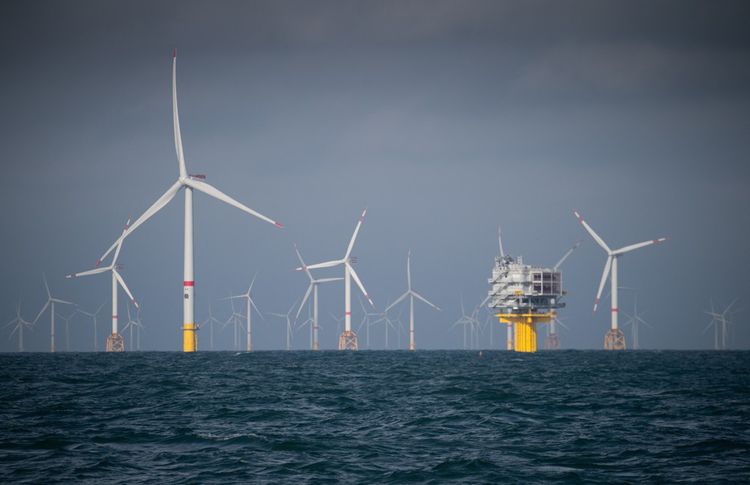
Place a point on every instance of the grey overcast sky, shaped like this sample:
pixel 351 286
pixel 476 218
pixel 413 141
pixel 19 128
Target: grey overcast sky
pixel 445 118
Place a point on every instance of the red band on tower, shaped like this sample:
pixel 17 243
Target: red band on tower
pixel 188 283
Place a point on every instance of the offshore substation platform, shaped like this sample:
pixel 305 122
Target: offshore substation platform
pixel 525 296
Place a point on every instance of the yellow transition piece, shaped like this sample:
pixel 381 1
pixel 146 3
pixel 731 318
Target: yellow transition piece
pixel 524 328
pixel 189 338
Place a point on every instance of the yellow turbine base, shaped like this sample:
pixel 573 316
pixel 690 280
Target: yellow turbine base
pixel 189 338
pixel 524 328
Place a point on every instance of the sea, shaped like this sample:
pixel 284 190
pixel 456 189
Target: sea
pixel 375 417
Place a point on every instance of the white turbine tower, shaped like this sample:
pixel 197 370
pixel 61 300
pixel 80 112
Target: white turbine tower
pixel 312 287
pixel 635 320
pixel 348 339
pixel 51 304
pixel 115 342
pixel 189 183
pixel 211 321
pixel 411 294
pixel 18 326
pixel 720 323
pixel 94 317
pixel 289 329
pixel 614 339
pixel 249 316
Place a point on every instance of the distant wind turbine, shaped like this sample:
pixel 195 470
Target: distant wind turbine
pixel 411 294
pixel 19 324
pixel 115 341
pixel 51 305
pixel 348 339
pixel 249 315
pixel 313 287
pixel 289 328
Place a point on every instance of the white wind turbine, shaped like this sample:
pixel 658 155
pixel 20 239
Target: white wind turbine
pixel 67 319
pixel 368 319
pixel 211 321
pixel 614 339
pixel 289 329
pixel 387 322
pixel 18 326
pixel 348 339
pixel 312 287
pixel 115 341
pixel 51 304
pixel 720 323
pixel 94 317
pixel 249 316
pixel 466 321
pixel 411 294
pixel 133 325
pixel 189 183
pixel 635 320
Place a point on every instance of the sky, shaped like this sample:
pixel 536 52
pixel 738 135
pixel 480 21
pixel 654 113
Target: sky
pixel 444 118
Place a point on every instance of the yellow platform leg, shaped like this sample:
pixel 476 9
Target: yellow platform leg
pixel 189 338
pixel 524 328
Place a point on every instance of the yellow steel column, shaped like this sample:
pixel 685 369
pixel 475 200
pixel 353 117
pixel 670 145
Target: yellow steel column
pixel 189 338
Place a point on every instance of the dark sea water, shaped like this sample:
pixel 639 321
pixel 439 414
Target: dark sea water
pixel 377 417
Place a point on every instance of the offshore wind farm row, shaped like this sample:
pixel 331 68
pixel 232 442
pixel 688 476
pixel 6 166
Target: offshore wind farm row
pixel 520 299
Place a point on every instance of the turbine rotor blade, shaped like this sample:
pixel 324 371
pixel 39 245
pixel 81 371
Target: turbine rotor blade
pixel 125 287
pixel 420 297
pixel 398 300
pixel 89 272
pixel 41 312
pixel 304 268
pixel 327 280
pixel 357 280
pixel 217 194
pixel 607 267
pixel 304 299
pixel 408 270
pixel 176 119
pixel 327 264
pixel 354 235
pixel 155 207
pixel 633 247
pixel 593 234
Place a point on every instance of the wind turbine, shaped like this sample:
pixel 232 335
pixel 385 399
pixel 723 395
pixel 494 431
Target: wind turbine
pixel 250 303
pixel 19 324
pixel 211 321
pixel 235 319
pixel 552 342
pixel 115 342
pixel 289 329
pixel 634 321
pixel 314 283
pixel 411 294
pixel 720 324
pixel 67 328
pixel 51 304
pixel 93 317
pixel 465 321
pixel 387 322
pixel 188 182
pixel 133 325
pixel 348 339
pixel 614 339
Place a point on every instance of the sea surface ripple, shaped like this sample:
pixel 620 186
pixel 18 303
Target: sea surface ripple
pixel 375 417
